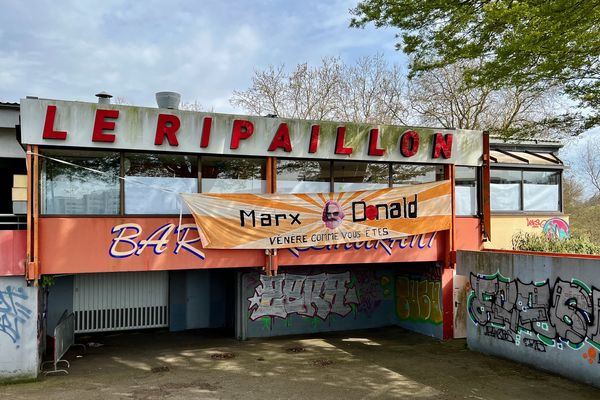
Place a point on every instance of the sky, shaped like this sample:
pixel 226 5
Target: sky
pixel 204 50
pixel 72 49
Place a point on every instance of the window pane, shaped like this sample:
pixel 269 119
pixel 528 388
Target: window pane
pixel 466 190
pixel 301 176
pixel 412 174
pixel 70 190
pixel 349 176
pixel 541 190
pixel 147 174
pixel 233 175
pixel 505 190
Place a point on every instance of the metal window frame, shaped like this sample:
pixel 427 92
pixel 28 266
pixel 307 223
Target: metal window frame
pixel 530 168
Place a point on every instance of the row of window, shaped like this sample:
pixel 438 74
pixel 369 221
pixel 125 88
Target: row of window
pixel 524 190
pixel 152 181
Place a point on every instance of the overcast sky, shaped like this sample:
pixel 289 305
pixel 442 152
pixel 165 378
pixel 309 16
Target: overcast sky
pixel 203 49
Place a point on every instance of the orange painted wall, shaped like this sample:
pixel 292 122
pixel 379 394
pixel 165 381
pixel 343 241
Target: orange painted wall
pixel 80 245
pixel 468 234
pixel 13 252
pixel 83 245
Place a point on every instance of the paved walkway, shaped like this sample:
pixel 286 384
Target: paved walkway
pixel 383 363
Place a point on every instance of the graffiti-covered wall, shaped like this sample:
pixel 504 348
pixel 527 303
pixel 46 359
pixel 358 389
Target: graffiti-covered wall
pixel 19 355
pixel 419 299
pixel 539 310
pixel 311 299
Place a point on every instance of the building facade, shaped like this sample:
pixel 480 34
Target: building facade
pixel 106 220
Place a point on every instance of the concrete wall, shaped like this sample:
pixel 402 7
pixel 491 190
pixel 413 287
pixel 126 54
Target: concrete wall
pixel 303 300
pixel 19 348
pixel 419 299
pixel 315 299
pixel 539 310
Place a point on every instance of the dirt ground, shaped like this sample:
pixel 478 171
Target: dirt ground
pixel 381 363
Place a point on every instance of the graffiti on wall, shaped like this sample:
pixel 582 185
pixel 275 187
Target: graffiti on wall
pixel 306 295
pixel 418 299
pixel 13 311
pixel 554 228
pixel 537 315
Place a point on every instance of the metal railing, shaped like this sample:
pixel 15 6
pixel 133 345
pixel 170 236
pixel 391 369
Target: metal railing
pixel 13 221
pixel 64 339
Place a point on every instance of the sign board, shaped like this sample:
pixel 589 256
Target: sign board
pixel 269 221
pixel 117 127
pixel 153 244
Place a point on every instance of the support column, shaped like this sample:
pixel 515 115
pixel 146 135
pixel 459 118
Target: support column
pixel 271 261
pixel 449 263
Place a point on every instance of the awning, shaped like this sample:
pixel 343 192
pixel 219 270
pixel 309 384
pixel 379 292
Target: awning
pixel 526 157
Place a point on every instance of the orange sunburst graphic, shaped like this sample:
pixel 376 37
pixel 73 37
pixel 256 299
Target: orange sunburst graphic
pixel 266 221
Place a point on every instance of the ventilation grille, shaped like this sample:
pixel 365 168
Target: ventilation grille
pixel 121 301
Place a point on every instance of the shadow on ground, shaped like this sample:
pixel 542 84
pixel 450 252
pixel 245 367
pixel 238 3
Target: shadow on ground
pixel 380 363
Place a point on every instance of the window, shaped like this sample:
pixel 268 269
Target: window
pixel 413 174
pixel 505 190
pixel 466 190
pixel 149 173
pixel 349 176
pixel 518 190
pixel 233 175
pixel 541 190
pixel 303 176
pixel 67 189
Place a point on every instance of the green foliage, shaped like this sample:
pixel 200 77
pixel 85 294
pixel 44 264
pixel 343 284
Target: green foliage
pixel 585 220
pixel 528 43
pixel 47 281
pixel 539 242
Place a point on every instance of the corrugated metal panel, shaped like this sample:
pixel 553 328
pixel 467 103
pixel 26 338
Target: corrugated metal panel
pixel 121 301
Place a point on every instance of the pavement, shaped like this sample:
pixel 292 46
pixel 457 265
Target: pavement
pixel 387 363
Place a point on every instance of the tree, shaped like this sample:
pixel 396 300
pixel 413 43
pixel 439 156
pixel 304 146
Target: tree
pixel 372 91
pixel 369 91
pixel 590 164
pixel 572 192
pixel 526 43
pixel 306 92
pixel 441 97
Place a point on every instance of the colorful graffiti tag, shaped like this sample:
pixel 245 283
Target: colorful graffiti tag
pixel 13 312
pixel 306 295
pixel 418 300
pixel 537 315
pixel 556 228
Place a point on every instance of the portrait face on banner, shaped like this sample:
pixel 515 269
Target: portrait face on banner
pixel 333 214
